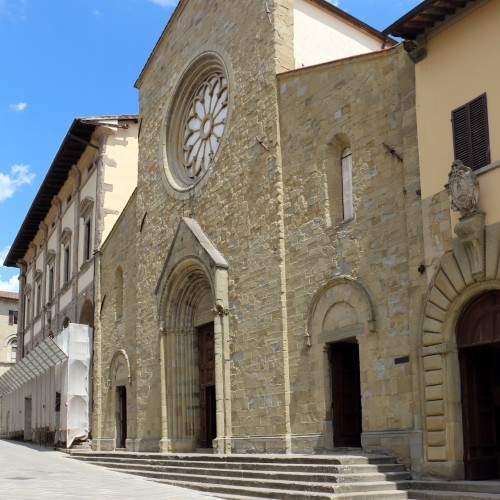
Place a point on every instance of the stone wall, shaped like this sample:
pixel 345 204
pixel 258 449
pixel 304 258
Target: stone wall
pixel 115 339
pixel 366 103
pixel 238 207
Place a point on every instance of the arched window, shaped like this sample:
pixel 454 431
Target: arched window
pixel 118 293
pixel 12 351
pixel 347 201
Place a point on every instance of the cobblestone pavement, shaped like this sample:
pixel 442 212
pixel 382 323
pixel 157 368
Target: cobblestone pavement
pixel 34 472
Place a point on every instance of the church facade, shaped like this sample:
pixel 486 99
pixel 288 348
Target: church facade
pixel 261 291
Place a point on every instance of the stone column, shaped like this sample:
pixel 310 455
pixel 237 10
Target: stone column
pixel 165 446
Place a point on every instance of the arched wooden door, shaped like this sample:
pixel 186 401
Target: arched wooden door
pixel 478 341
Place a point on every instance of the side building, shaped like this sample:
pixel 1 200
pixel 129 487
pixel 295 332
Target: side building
pixel 458 120
pixel 8 329
pixel 8 338
pixel 86 187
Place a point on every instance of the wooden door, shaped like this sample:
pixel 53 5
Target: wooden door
pixel 206 357
pixel 346 394
pixel 478 409
pixel 121 416
pixel 478 340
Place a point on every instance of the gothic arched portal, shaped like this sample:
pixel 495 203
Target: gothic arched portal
pixel 192 308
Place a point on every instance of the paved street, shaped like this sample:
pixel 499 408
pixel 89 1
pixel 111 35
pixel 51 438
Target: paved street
pixel 34 472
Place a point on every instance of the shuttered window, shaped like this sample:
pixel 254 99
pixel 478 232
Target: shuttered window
pixel 470 133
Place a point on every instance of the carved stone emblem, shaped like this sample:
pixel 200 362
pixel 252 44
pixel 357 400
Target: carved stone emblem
pixel 463 189
pixel 464 193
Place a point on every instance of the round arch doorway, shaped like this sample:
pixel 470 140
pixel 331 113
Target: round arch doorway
pixel 478 342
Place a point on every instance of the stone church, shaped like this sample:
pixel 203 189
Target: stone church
pixel 261 291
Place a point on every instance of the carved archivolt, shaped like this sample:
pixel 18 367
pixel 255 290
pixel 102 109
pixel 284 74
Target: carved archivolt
pixel 463 273
pixel 119 368
pixel 339 310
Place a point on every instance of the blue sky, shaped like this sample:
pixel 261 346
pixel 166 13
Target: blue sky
pixel 55 60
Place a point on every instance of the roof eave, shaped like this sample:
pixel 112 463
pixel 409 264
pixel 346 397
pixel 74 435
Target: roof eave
pixel 54 180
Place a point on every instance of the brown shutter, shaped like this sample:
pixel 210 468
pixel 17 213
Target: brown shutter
pixel 470 133
pixel 478 112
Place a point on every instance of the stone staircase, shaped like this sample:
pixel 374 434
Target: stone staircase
pixel 454 490
pixel 297 477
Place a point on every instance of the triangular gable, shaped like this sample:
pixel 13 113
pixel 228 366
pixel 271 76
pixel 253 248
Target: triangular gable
pixel 190 241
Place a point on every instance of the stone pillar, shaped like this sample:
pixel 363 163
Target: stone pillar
pixel 165 445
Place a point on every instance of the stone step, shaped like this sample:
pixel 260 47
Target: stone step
pixel 243 483
pixel 249 466
pixel 379 495
pixel 316 476
pixel 230 491
pixel 345 475
pixel 487 487
pixel 450 495
pixel 336 459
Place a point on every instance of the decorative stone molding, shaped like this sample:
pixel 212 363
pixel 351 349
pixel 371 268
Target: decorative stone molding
pixel 76 175
pixel 57 204
pixel 470 230
pixel 86 206
pixel 467 271
pixel 43 229
pixel 120 359
pixel 51 256
pixel 345 304
pixel 66 235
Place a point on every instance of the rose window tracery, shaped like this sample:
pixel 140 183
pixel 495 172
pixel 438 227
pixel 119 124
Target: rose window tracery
pixel 204 124
pixel 196 121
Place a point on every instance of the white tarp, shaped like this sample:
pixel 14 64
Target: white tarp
pixel 55 367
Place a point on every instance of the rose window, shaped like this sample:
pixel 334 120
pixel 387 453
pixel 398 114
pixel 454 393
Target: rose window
pixel 204 125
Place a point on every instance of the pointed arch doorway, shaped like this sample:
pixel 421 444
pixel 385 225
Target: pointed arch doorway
pixel 194 330
pixel 478 342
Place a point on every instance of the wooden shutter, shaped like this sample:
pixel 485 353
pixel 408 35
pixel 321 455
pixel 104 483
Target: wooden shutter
pixel 470 133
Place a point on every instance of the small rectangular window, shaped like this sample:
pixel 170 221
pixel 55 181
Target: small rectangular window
pixel 38 298
pixel 67 263
pixel 470 133
pixel 12 317
pixel 58 401
pixel 51 283
pixel 87 241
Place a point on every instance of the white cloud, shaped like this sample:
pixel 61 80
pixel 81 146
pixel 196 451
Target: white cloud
pixel 18 176
pixel 3 254
pixel 165 3
pixel 20 106
pixel 9 285
pixel 96 12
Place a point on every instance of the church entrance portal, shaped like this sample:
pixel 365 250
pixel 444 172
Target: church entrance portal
pixel 478 341
pixel 346 393
pixel 206 359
